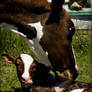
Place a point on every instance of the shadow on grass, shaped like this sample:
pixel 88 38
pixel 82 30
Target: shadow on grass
pixel 15 90
pixel 18 90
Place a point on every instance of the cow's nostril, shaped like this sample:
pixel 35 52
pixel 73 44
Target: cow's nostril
pixel 27 80
pixel 23 79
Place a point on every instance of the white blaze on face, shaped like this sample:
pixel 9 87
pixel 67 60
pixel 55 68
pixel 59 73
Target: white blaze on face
pixel 27 60
pixel 75 59
pixel 78 90
pixel 39 28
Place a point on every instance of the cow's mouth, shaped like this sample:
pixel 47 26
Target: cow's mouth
pixel 27 82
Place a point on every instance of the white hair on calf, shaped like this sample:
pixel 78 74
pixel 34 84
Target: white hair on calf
pixel 78 90
pixel 27 60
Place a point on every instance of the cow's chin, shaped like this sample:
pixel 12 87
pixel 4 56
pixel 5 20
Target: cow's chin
pixel 27 83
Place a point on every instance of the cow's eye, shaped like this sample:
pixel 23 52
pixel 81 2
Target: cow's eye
pixel 71 31
pixel 70 28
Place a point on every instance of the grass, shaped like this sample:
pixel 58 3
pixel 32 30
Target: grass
pixel 83 47
pixel 13 44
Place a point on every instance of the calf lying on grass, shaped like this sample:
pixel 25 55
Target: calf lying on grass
pixel 35 77
pixel 30 72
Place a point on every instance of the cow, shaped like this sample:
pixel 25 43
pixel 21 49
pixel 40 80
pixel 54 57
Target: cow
pixel 57 40
pixel 55 27
pixel 21 12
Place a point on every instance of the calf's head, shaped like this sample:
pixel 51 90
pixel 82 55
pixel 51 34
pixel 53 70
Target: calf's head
pixel 31 72
pixel 24 65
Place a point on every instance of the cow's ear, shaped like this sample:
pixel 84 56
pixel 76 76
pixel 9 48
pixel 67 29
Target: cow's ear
pixel 8 58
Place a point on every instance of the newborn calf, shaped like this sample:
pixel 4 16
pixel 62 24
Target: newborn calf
pixel 36 77
pixel 30 72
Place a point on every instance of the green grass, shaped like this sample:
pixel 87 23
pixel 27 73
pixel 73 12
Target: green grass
pixel 83 51
pixel 13 44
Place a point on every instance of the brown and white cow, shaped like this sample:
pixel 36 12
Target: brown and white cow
pixel 30 72
pixel 55 27
pixel 21 12
pixel 57 40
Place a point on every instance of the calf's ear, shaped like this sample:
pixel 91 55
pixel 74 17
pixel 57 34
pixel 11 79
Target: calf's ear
pixel 8 58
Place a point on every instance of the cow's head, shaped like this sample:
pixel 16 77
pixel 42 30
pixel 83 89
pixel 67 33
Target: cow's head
pixel 57 39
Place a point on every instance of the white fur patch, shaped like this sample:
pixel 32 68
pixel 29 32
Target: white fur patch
pixel 37 25
pixel 58 89
pixel 31 41
pixel 46 53
pixel 78 90
pixel 49 1
pixel 39 28
pixel 75 59
pixel 27 60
